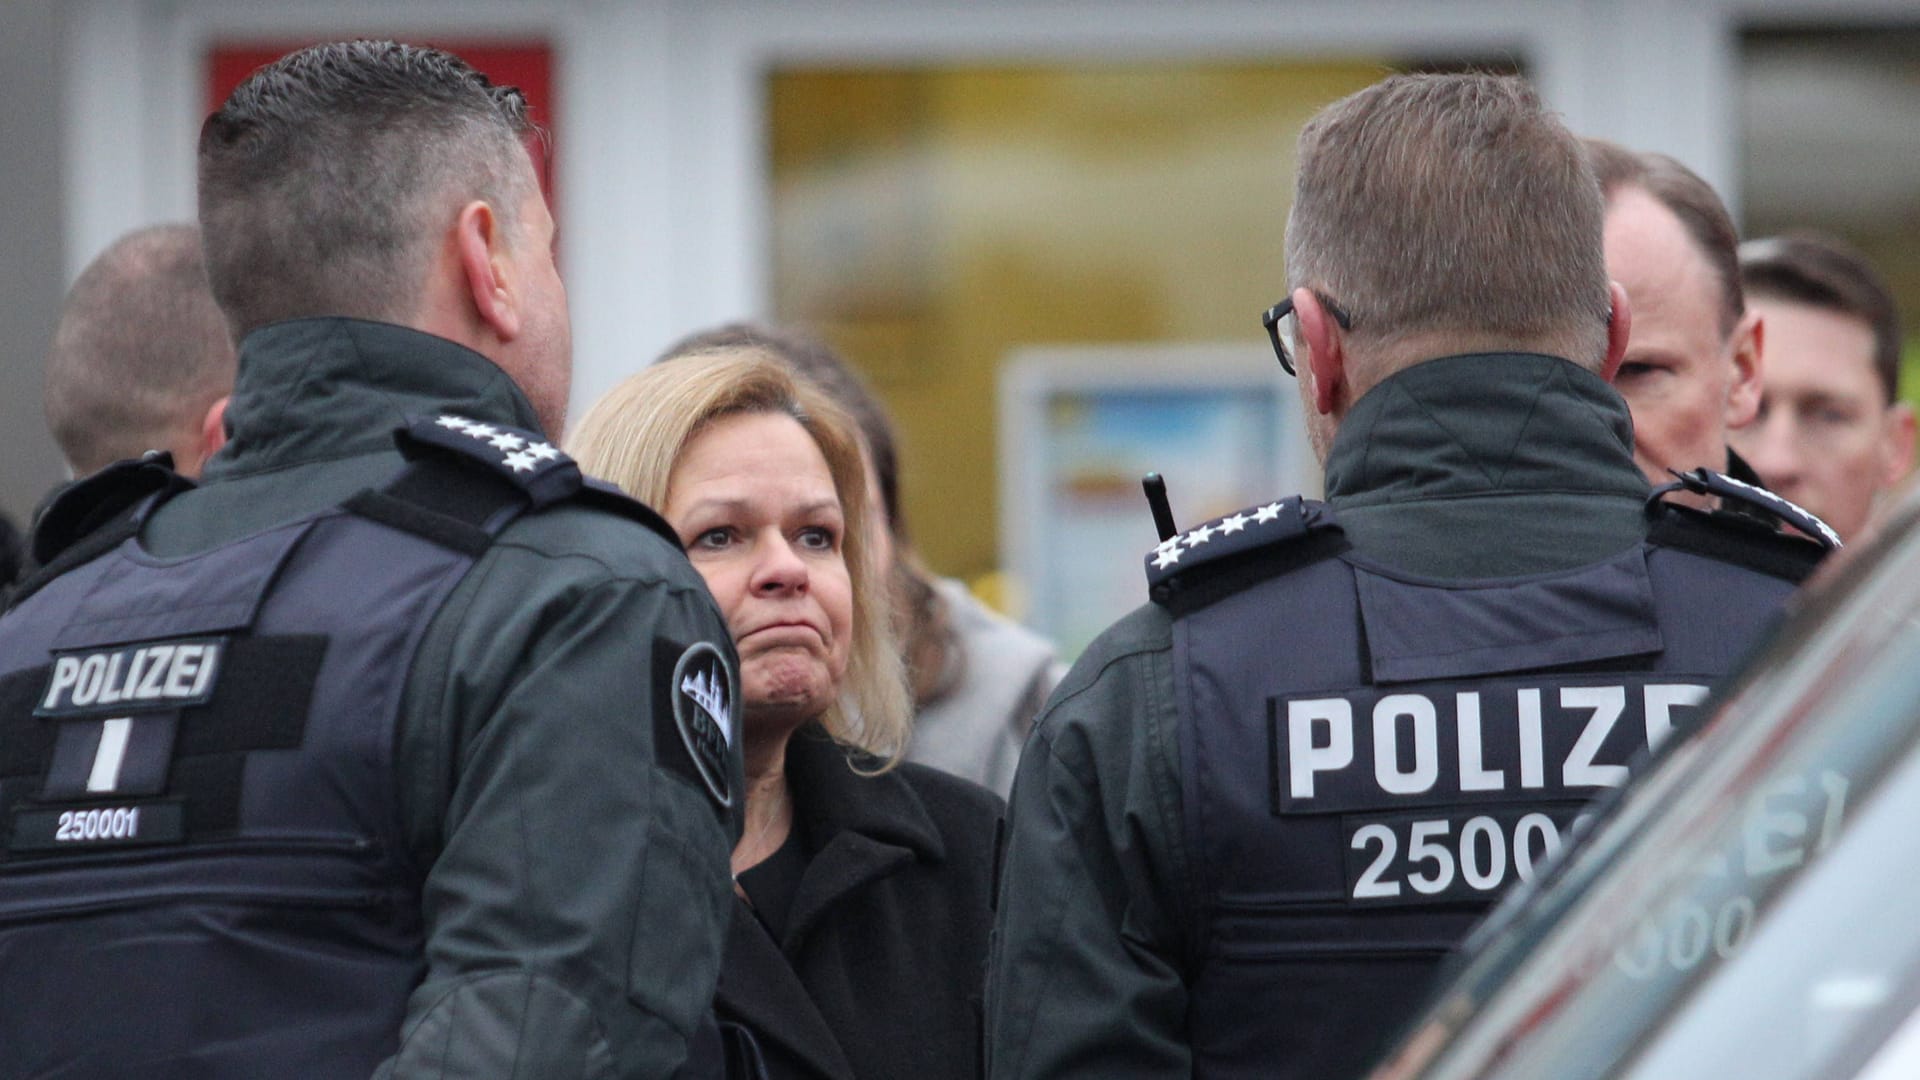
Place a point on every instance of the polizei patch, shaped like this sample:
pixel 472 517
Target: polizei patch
pixel 132 678
pixel 702 693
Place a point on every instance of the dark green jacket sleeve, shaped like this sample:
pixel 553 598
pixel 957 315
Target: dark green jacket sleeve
pixel 1085 976
pixel 575 890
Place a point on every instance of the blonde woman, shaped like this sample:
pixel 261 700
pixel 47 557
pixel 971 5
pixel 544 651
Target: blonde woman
pixel 858 947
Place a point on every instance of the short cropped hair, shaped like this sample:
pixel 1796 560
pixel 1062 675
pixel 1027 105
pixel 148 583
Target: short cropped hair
pixel 1451 203
pixel 140 353
pixel 1823 272
pixel 636 434
pixel 1691 199
pixel 328 175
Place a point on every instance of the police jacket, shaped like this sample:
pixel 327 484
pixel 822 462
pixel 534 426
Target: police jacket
pixel 403 790
pixel 1258 812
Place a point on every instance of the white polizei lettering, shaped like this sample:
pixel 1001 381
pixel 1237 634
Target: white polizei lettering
pixel 66 671
pixel 159 659
pixel 111 756
pixel 1304 757
pixel 209 660
pixel 110 693
pixel 186 665
pixel 1606 703
pixel 1661 699
pixel 1533 767
pixel 1386 744
pixel 93 670
pixel 1474 775
pixel 136 666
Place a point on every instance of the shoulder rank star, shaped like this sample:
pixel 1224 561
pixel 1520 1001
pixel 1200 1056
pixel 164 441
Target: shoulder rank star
pixel 1167 553
pixel 1225 537
pixel 519 453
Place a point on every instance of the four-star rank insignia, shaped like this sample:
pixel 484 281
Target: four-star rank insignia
pixel 1238 532
pixel 524 458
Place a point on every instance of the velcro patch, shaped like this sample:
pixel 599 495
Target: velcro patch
pixel 122 679
pixel 159 821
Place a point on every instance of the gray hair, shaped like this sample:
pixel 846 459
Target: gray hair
pixel 1451 203
pixel 324 175
pixel 140 353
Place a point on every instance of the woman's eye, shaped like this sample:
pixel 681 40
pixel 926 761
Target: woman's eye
pixel 712 539
pixel 819 538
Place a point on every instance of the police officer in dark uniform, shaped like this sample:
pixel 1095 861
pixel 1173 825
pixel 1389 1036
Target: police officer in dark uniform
pixel 1261 809
pixel 396 748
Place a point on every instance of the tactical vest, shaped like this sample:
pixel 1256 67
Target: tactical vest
pixel 204 870
pixel 1369 758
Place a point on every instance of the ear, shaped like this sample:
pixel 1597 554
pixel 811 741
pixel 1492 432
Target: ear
pixel 1619 327
pixel 213 428
pixel 480 241
pixel 1326 350
pixel 1743 396
pixel 1898 442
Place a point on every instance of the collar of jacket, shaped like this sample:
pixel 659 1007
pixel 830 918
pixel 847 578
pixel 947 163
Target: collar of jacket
pixel 323 388
pixel 866 827
pixel 1480 424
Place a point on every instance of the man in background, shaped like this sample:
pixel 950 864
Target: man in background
pixel 1831 434
pixel 1692 368
pixel 142 358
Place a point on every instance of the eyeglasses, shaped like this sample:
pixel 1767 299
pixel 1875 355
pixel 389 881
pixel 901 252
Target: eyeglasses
pixel 1278 312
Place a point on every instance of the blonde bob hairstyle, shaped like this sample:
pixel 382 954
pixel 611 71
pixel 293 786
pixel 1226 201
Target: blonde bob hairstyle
pixel 634 437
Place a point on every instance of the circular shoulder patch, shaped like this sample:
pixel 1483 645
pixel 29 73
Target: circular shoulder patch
pixel 702 711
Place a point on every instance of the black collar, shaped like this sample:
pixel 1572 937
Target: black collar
pixel 326 388
pixel 1481 424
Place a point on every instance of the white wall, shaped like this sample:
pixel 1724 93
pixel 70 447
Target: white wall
pixel 30 220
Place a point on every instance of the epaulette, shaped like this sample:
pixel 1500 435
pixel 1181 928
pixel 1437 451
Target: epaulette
pixel 524 459
pixel 1748 538
pixel 1199 556
pixel 91 515
pixel 1754 497
pixel 82 507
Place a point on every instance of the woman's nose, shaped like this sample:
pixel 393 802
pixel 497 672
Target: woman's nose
pixel 780 568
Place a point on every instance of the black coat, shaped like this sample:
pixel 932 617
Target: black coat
pixel 882 972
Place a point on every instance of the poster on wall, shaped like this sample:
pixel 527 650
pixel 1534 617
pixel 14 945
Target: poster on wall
pixel 1081 425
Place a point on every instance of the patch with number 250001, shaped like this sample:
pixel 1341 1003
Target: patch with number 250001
pixel 1451 854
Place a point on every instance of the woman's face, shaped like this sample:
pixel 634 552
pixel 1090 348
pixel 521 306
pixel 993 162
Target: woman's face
pixel 756 507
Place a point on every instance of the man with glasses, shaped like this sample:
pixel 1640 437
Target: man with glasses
pixel 1260 810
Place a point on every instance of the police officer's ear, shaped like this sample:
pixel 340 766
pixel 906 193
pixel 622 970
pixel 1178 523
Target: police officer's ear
pixel 213 434
pixel 1326 358
pixel 1619 325
pixel 480 242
